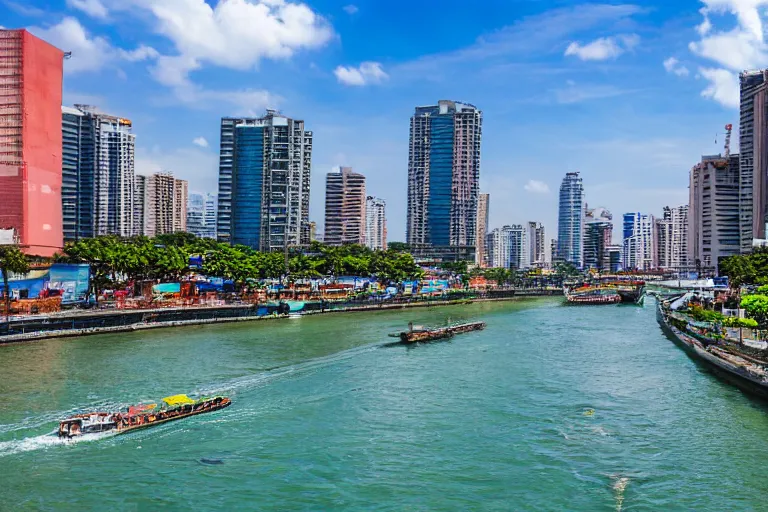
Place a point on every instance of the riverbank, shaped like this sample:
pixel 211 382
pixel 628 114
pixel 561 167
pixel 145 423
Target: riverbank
pixel 105 322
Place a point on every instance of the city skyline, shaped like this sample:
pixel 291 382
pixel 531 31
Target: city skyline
pixel 575 75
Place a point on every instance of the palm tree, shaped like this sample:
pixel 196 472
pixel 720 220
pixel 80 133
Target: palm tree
pixel 11 260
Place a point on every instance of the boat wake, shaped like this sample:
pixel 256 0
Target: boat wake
pixel 619 486
pixel 248 382
pixel 272 374
pixel 45 441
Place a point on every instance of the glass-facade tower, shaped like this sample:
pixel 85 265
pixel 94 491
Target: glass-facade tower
pixel 264 175
pixel 443 179
pixel 571 220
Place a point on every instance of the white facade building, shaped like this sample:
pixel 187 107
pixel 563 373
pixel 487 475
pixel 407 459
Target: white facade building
pixel 375 223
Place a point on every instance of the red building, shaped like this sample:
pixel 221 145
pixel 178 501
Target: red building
pixel 31 73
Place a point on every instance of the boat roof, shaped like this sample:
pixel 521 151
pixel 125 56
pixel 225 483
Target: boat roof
pixel 178 400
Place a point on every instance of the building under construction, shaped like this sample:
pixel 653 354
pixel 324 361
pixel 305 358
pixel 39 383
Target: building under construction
pixel 31 72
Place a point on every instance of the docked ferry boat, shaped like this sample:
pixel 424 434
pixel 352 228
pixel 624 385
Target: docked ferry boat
pixel 605 292
pixel 140 416
pixel 703 341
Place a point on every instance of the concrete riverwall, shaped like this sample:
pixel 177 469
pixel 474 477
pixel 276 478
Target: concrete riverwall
pixel 115 321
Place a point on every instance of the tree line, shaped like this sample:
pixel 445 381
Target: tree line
pixel 167 258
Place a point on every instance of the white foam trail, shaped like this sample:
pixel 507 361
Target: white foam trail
pixel 619 486
pixel 247 382
pixel 45 441
pixel 252 381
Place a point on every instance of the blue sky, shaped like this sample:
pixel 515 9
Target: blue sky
pixel 628 94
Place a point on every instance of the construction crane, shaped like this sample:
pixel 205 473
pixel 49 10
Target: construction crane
pixel 728 130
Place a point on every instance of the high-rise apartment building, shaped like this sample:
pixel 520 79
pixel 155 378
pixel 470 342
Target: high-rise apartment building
pixel 264 176
pixel 662 242
pixel 483 203
pixel 571 220
pixel 519 247
pixel 553 251
pixel 615 256
pixel 598 236
pixel 508 247
pixel 31 72
pixel 162 201
pixel 498 245
pixel 211 206
pixel 753 162
pixel 345 201
pixel 671 239
pixel 714 214
pixel 536 245
pixel 312 231
pixel 99 173
pixel 140 199
pixel 638 241
pixel 443 179
pixel 201 215
pixel 196 215
pixel 180 199
pixel 376 223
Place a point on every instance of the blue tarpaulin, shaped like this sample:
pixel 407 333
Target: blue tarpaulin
pixel 167 288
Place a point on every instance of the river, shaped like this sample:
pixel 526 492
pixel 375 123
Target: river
pixel 326 416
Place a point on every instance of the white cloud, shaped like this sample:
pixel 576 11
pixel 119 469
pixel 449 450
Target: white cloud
pixel 365 74
pixel 93 8
pixel 243 102
pixel 733 50
pixel 536 187
pixel 672 65
pixel 200 141
pixel 575 93
pixel 88 53
pixel 723 86
pixel 603 48
pixel 140 53
pixel 234 34
pixel 24 9
pixel 351 9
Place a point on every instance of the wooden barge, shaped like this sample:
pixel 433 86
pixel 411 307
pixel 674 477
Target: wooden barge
pixel 140 416
pixel 416 334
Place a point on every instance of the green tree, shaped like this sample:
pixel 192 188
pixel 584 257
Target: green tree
pixel 11 260
pixel 756 307
pixel 398 247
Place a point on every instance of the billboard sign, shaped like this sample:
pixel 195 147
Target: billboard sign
pixel 72 280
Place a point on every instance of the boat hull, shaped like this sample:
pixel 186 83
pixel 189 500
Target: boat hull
pixel 409 337
pixel 697 351
pixel 119 424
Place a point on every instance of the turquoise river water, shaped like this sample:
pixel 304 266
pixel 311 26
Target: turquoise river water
pixel 326 416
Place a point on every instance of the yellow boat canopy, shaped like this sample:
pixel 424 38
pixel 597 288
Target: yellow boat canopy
pixel 178 400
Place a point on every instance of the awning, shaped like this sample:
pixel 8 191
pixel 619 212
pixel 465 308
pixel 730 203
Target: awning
pixel 178 400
